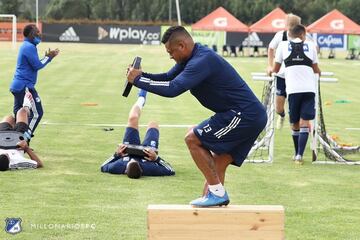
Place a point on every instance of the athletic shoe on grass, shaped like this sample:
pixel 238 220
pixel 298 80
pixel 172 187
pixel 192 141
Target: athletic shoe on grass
pixel 211 200
pixel 280 122
pixel 298 160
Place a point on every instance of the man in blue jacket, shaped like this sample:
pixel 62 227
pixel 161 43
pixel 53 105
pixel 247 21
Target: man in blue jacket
pixel 226 137
pixel 25 77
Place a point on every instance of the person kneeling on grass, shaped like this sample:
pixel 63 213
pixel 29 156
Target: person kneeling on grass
pixel 134 166
pixel 11 159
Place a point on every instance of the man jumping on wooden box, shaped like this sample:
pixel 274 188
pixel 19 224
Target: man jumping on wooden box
pixel 226 137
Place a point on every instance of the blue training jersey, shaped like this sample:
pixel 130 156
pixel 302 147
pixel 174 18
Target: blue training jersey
pixel 117 165
pixel 211 79
pixel 28 64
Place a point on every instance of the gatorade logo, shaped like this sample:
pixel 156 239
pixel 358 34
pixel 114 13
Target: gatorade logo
pixel 337 24
pixel 278 23
pixel 220 22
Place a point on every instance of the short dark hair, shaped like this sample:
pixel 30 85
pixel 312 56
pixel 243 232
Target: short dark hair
pixel 133 170
pixel 297 31
pixel 172 32
pixel 4 162
pixel 28 29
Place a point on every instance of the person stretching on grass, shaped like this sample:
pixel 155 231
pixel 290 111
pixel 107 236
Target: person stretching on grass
pixel 300 58
pixel 226 137
pixel 11 159
pixel 134 166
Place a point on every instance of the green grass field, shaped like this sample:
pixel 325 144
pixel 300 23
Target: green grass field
pixel 321 201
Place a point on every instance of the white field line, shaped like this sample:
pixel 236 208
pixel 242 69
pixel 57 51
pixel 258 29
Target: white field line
pixel 353 129
pixel 114 124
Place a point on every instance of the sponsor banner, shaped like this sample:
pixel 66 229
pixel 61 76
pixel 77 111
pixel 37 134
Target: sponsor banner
pixel 354 42
pixel 209 38
pixel 253 39
pixel 88 33
pixel 6 30
pixel 235 38
pixel 129 34
pixel 69 33
pixel 331 40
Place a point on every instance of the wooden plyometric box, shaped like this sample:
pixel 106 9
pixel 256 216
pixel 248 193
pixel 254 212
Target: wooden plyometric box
pixel 235 222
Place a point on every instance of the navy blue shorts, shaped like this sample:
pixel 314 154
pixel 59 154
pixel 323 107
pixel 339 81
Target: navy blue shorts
pixel 301 105
pixel 280 86
pixel 132 136
pixel 232 133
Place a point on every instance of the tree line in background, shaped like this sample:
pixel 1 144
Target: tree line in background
pixel 248 11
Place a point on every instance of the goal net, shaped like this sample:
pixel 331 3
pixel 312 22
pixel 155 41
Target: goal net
pixel 8 30
pixel 323 143
pixel 263 148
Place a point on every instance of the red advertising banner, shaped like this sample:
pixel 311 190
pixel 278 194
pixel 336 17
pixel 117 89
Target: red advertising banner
pixel 6 30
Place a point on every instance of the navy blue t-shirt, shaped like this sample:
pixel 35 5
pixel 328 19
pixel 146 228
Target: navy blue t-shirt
pixel 211 79
pixel 117 165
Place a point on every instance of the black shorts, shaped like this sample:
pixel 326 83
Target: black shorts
pixel 301 105
pixel 280 86
pixel 19 127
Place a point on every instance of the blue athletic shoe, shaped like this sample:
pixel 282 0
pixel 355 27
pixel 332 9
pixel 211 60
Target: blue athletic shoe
pixel 142 93
pixel 211 200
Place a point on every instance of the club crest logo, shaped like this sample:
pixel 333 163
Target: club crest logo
pixel 13 225
pixel 153 144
